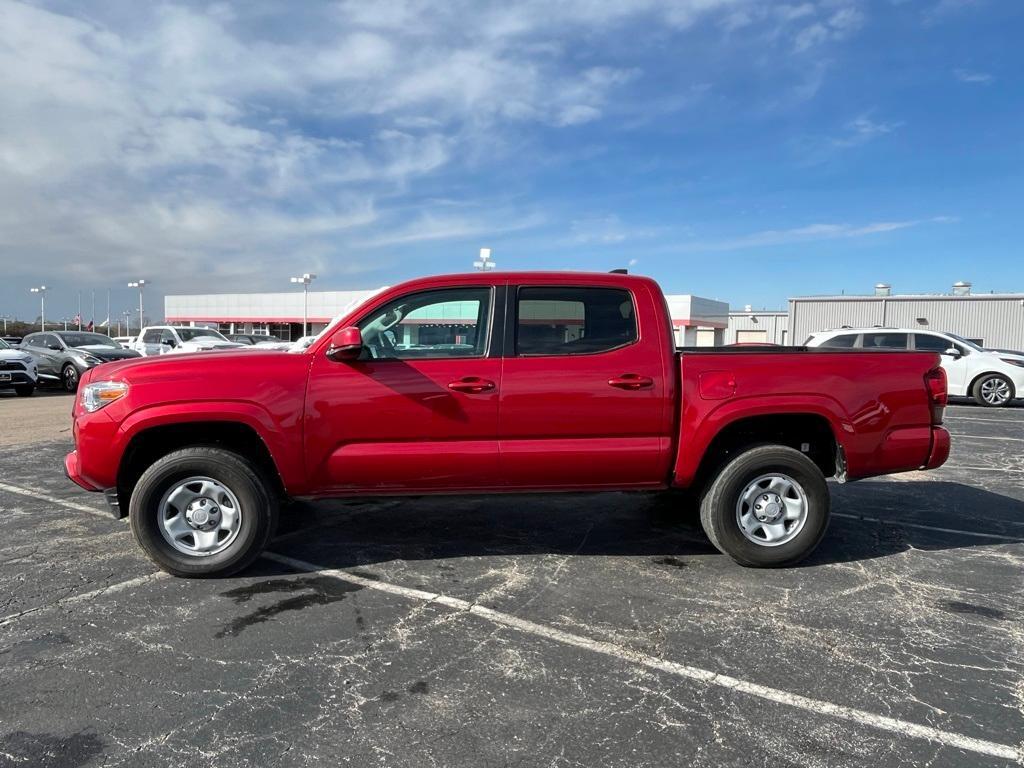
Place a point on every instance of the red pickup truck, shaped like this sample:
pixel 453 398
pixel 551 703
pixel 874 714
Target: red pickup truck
pixel 504 382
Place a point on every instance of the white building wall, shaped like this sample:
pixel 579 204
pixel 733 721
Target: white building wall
pixel 764 326
pixel 996 319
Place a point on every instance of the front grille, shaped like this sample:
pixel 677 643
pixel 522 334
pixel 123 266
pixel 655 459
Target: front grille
pixel 10 365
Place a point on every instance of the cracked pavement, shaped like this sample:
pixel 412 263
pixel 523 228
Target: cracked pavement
pixel 912 618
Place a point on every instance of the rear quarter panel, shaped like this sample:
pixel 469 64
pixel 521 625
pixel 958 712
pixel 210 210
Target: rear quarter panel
pixel 875 402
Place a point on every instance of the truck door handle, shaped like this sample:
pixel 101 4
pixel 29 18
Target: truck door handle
pixel 631 381
pixel 471 384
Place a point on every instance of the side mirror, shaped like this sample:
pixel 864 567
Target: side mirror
pixel 953 352
pixel 168 342
pixel 346 344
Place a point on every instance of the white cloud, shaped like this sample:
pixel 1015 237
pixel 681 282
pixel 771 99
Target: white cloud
pixel 969 76
pixel 808 233
pixel 166 138
pixel 605 230
pixel 863 129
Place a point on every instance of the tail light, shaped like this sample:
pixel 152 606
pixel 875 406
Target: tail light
pixel 935 381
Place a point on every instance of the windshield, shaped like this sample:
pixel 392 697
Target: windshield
pixel 190 334
pixel 4 344
pixel 88 340
pixel 966 342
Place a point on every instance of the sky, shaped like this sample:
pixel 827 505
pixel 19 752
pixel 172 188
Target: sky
pixel 737 149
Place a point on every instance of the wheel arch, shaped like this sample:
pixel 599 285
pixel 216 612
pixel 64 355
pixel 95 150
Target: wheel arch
pixel 150 443
pixel 794 430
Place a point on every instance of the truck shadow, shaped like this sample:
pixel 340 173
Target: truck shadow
pixel 343 534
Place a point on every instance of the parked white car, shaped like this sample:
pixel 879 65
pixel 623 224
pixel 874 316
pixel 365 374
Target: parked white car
pixel 991 378
pixel 17 369
pixel 167 339
pixel 127 342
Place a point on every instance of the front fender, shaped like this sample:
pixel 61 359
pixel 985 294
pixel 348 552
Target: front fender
pixel 283 441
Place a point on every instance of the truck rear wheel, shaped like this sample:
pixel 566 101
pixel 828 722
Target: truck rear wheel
pixel 768 507
pixel 201 512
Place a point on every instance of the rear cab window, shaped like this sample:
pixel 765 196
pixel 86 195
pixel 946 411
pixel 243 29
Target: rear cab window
pixel 570 320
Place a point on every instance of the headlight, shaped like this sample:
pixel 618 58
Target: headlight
pixel 90 359
pixel 102 393
pixel 1018 363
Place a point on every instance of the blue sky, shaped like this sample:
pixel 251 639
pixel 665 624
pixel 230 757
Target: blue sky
pixel 742 150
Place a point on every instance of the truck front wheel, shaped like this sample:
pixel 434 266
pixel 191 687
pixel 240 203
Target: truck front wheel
pixel 201 512
pixel 768 507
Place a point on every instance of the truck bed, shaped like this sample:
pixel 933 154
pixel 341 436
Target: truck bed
pixel 875 403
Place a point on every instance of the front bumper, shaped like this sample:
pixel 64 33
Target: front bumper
pixel 16 378
pixel 74 474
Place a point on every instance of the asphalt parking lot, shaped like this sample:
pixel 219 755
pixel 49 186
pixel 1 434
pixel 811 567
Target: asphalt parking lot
pixel 584 630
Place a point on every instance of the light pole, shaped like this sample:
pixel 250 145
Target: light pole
pixel 306 279
pixel 484 264
pixel 140 284
pixel 41 290
pixel 128 322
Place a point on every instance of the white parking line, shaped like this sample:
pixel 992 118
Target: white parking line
pixel 901 524
pixel 109 589
pixel 977 469
pixel 44 496
pixel 708 677
pixel 990 421
pixel 964 436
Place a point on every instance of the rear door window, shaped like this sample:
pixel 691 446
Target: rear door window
pixel 846 341
pixel 565 320
pixel 885 340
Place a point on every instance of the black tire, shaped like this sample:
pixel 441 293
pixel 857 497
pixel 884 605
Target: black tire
pixel 992 385
pixel 259 509
pixel 718 509
pixel 69 377
pixel 24 390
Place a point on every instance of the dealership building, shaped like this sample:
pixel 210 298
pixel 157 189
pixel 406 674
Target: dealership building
pixel 995 320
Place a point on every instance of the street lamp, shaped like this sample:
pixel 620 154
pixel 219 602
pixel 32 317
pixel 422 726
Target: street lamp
pixel 128 322
pixel 484 264
pixel 306 279
pixel 140 284
pixel 41 290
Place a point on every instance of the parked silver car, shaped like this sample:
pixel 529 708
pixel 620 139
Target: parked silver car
pixel 63 356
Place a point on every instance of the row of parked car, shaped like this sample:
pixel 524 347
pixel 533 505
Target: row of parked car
pixel 61 357
pixel 991 377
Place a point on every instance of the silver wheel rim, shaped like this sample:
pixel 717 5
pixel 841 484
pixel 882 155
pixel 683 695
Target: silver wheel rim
pixel 995 391
pixel 772 510
pixel 70 377
pixel 200 516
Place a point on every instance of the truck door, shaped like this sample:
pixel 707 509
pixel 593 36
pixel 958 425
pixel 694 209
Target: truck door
pixel 419 409
pixel 584 400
